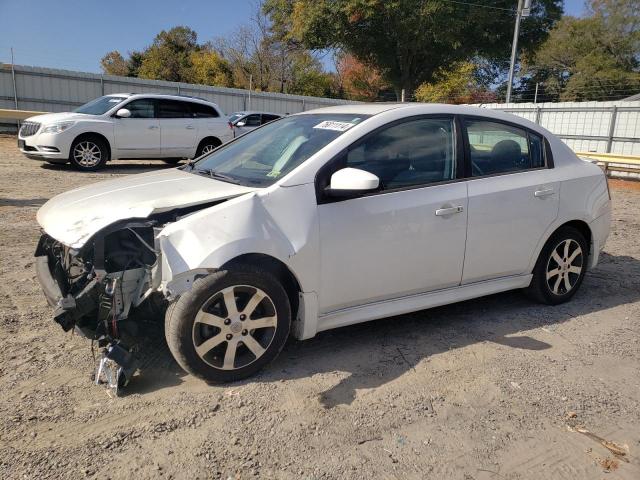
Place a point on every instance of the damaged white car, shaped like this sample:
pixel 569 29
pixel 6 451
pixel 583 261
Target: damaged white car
pixel 320 220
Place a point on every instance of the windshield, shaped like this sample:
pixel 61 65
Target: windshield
pixel 100 105
pixel 264 155
pixel 235 116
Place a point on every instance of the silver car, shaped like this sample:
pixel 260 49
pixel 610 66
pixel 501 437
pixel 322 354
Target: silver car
pixel 243 122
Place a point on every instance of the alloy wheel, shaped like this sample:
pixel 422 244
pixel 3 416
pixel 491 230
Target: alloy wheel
pixel 208 149
pixel 564 267
pixel 87 154
pixel 234 327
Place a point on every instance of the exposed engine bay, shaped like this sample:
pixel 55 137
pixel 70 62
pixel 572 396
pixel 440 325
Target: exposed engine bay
pixel 96 288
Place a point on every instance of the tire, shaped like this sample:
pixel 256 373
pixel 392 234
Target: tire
pixel 207 145
pixel 566 268
pixel 213 343
pixel 89 153
pixel 171 161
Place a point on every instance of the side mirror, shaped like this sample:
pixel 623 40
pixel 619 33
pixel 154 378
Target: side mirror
pixel 351 182
pixel 123 113
pixel 241 124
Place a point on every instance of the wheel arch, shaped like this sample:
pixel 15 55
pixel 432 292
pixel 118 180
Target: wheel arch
pixel 580 225
pixel 210 138
pixel 278 269
pixel 90 134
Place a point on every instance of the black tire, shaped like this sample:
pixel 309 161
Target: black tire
pixel 96 144
pixel 541 289
pixel 207 144
pixel 171 161
pixel 181 328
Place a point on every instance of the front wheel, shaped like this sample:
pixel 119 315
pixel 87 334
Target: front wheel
pixel 229 325
pixel 89 154
pixel 561 267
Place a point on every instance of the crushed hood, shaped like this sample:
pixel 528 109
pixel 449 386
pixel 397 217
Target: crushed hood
pixel 75 216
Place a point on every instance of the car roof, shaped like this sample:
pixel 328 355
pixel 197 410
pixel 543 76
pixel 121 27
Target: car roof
pixel 415 108
pixel 159 95
pixel 249 112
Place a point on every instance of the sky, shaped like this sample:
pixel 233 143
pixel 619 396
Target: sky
pixel 76 34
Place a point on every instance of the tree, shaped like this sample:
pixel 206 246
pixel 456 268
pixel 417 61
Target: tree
pixel 359 81
pixel 592 58
pixel 169 57
pixel 209 68
pixel 113 63
pixel 409 41
pixel 459 84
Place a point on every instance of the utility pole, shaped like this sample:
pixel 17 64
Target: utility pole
pixel 523 11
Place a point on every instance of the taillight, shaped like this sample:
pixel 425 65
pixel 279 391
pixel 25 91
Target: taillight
pixel 231 125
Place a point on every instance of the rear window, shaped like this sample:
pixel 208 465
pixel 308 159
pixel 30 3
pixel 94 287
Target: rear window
pixel 174 109
pixel 200 110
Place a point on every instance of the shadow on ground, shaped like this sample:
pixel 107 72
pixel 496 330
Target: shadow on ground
pixel 378 352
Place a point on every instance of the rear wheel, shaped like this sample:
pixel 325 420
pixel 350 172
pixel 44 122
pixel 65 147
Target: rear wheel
pixel 229 325
pixel 89 153
pixel 561 267
pixel 207 145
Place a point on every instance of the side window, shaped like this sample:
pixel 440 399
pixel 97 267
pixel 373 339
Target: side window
pixel 174 109
pixel 143 108
pixel 498 148
pixel 200 110
pixel 266 118
pixel 417 152
pixel 252 120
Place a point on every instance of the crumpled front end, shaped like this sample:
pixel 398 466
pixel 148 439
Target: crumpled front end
pixel 96 286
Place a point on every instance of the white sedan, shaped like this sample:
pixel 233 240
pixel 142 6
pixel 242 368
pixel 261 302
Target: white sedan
pixel 323 219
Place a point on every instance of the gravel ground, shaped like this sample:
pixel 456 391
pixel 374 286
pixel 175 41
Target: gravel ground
pixel 495 388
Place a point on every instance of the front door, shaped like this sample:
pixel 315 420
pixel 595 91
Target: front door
pixel 407 238
pixel 139 135
pixel 513 199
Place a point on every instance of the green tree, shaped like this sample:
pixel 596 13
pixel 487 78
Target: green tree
pixel 409 41
pixel 591 58
pixel 169 57
pixel 209 68
pixel 457 84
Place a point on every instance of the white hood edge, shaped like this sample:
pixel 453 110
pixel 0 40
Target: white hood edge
pixel 75 216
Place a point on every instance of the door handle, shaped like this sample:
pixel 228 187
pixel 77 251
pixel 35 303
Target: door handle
pixel 190 127
pixel 153 127
pixel 441 212
pixel 545 192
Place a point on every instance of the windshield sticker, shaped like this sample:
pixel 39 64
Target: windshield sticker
pixel 332 125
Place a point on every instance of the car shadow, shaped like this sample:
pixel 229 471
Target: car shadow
pixel 22 202
pixel 375 353
pixel 124 167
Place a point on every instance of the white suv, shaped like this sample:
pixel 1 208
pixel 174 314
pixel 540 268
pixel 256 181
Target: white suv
pixel 126 125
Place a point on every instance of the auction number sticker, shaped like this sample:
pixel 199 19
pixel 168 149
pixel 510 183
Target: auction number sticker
pixel 333 125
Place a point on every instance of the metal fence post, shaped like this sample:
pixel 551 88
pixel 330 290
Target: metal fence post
pixel 303 105
pixel 612 127
pixel 538 114
pixel 102 84
pixel 178 89
pixel 15 90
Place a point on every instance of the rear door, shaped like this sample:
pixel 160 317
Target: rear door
pixel 513 198
pixel 178 128
pixel 139 135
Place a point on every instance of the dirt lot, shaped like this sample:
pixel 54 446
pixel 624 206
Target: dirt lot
pixel 495 388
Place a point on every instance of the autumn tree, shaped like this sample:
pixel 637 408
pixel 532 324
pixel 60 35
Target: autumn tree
pixel 359 81
pixel 409 41
pixel 458 84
